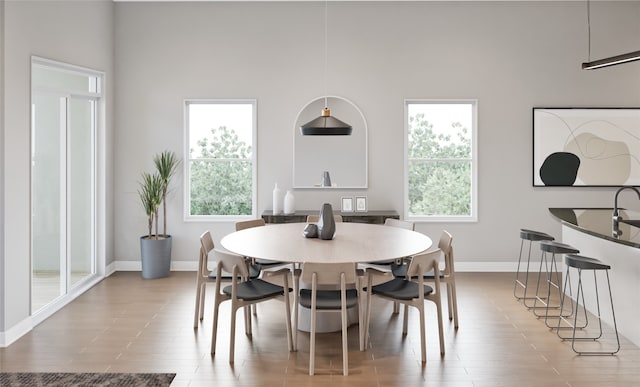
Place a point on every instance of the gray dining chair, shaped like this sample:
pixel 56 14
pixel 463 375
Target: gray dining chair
pixel 205 276
pixel 321 275
pixel 243 292
pixel 447 275
pixel 410 291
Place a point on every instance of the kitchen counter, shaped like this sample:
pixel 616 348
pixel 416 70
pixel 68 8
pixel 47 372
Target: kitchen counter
pixel 591 231
pixel 598 222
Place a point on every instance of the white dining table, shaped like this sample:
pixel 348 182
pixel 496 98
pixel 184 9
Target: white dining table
pixel 353 242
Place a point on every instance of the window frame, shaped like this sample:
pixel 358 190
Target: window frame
pixel 188 217
pixel 473 217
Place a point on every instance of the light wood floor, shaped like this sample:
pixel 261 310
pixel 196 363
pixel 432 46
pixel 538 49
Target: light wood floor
pixel 127 324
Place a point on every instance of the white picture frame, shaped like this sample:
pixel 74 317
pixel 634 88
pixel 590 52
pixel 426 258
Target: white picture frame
pixel 347 204
pixel 361 203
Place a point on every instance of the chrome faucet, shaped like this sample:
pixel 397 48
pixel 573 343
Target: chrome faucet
pixel 616 215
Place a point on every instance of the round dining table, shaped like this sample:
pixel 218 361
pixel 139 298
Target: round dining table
pixel 352 242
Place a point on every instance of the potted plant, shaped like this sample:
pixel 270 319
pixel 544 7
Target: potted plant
pixel 155 248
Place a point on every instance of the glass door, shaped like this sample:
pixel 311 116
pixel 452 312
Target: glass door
pixel 46 194
pixel 64 120
pixel 80 204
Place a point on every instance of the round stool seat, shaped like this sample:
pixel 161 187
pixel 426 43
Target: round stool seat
pixel 558 248
pixel 532 235
pixel 585 263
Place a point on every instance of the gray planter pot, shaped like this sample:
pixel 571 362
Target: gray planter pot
pixel 155 256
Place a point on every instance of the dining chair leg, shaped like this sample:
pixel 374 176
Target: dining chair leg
pixel 423 341
pixel 247 320
pixel 287 311
pixel 449 302
pixel 368 314
pixel 454 303
pixel 232 330
pixel 196 314
pixel 405 322
pixel 203 293
pixel 214 333
pixel 312 343
pixel 296 295
pixel 345 347
pixel 360 324
pixel 440 328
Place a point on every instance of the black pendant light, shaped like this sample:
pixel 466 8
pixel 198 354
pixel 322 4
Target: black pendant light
pixel 614 60
pixel 326 124
pixel 606 62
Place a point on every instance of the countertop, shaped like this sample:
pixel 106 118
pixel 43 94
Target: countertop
pixel 598 222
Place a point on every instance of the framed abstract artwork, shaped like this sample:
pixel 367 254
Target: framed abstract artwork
pixel 588 147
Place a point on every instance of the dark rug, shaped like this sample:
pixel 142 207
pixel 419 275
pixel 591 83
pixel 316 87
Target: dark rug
pixel 33 379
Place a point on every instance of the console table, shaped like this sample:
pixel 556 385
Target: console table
pixel 300 216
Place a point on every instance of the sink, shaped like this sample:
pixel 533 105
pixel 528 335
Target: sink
pixel 633 222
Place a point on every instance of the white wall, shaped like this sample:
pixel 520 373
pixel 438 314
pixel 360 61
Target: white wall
pixel 511 56
pixel 76 32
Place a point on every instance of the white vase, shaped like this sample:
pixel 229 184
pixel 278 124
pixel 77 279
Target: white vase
pixel 276 200
pixel 289 203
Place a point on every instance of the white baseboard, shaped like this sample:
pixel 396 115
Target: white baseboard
pixel 460 266
pixel 110 269
pixel 15 332
pixel 486 266
pixel 26 325
pixel 137 266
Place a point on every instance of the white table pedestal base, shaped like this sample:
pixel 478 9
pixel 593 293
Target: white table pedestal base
pixel 327 320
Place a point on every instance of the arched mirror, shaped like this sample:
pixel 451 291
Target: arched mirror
pixel 344 157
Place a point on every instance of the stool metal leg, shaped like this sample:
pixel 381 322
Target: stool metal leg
pixel 536 297
pixel 518 283
pixel 567 318
pixel 555 285
pixel 551 270
pixel 575 326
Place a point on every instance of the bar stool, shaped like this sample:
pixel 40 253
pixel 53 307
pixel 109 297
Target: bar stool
pixel 530 236
pixel 585 263
pixel 551 271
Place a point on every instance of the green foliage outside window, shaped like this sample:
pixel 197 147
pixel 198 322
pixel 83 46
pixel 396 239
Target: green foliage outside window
pixel 221 175
pixel 439 174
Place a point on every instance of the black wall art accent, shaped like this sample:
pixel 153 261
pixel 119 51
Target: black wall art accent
pixel 586 147
pixel 560 168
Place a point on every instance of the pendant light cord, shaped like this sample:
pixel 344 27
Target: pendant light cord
pixel 326 45
pixel 589 30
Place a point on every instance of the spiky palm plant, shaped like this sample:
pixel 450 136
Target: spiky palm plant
pixel 166 166
pixel 150 193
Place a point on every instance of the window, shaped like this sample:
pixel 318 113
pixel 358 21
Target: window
pixel 441 160
pixel 221 170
